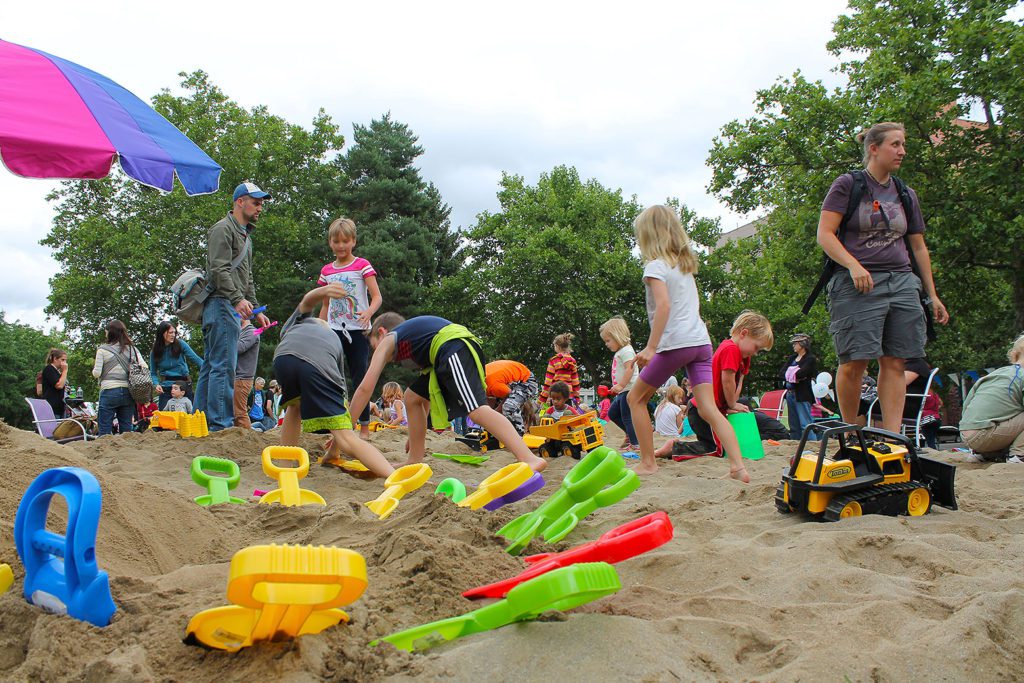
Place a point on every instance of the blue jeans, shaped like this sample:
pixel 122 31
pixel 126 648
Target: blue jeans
pixel 620 414
pixel 116 403
pixel 215 389
pixel 799 417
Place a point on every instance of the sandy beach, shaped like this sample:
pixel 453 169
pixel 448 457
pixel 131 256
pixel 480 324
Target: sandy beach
pixel 741 593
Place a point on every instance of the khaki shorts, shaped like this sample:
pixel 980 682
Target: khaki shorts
pixel 887 321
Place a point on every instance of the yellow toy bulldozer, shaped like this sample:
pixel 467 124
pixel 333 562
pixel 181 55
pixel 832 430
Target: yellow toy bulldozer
pixel 873 472
pixel 571 436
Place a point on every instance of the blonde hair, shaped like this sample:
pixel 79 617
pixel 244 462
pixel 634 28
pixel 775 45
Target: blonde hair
pixel 391 392
pixel 670 395
pixel 617 330
pixel 563 342
pixel 875 135
pixel 660 235
pixel 388 321
pixel 757 325
pixel 342 227
pixel 1016 353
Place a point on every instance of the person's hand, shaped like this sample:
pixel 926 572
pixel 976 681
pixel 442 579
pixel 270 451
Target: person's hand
pixel 334 290
pixel 364 319
pixel 643 358
pixel 158 389
pixel 63 364
pixel 262 320
pixel 939 311
pixel 861 279
pixel 738 408
pixel 614 390
pixel 244 309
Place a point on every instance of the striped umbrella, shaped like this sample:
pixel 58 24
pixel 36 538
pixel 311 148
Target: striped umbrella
pixel 61 120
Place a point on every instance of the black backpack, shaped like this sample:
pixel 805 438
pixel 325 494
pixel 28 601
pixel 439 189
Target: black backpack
pixel 860 185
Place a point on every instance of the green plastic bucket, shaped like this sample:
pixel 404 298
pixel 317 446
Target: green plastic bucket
pixel 747 433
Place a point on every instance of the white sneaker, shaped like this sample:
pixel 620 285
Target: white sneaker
pixel 974 457
pixel 1015 459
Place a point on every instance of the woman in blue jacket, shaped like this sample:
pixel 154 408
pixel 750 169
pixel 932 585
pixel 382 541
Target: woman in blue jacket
pixel 168 363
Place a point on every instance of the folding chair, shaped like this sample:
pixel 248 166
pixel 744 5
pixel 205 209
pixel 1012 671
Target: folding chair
pixel 771 403
pixel 911 427
pixel 46 423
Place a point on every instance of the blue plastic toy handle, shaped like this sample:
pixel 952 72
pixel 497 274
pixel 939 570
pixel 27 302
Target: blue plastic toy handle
pixel 258 309
pixel 60 571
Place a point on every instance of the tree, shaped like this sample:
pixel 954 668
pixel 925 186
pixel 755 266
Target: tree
pixel 121 244
pixel 23 352
pixel 922 62
pixel 556 257
pixel 404 227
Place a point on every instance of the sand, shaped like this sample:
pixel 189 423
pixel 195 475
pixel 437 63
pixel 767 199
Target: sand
pixel 741 593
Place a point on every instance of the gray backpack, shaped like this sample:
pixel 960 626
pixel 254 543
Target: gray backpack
pixel 192 288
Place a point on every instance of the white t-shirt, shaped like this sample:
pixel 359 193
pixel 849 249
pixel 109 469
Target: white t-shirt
pixel 619 367
pixel 665 419
pixel 685 327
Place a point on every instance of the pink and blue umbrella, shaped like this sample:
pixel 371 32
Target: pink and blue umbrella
pixel 61 120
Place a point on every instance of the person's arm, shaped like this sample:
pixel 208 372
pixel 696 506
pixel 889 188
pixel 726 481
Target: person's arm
pixel 924 268
pixel 574 382
pixel 97 366
pixel 190 354
pixel 373 289
pixel 549 379
pixel 219 259
pixel 659 292
pixel 63 375
pixel 828 238
pixel 627 374
pixel 246 339
pixel 910 376
pixel 153 375
pixel 680 417
pixel 381 356
pixel 730 391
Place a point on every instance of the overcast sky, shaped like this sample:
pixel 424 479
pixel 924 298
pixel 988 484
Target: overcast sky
pixel 629 95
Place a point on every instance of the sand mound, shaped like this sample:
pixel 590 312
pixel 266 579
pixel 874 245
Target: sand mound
pixel 741 593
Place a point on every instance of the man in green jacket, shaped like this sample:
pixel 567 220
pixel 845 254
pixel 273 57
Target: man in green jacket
pixel 232 298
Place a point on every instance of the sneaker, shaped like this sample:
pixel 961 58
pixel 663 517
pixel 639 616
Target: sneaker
pixel 1015 459
pixel 974 457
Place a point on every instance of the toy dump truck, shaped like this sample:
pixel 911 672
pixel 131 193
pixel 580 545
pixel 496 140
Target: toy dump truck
pixel 872 472
pixel 571 436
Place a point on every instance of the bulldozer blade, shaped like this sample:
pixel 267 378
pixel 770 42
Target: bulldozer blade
pixel 939 477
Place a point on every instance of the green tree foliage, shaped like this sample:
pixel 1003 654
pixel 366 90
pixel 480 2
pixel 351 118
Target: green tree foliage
pixel 925 63
pixel 403 224
pixel 556 257
pixel 23 352
pixel 121 244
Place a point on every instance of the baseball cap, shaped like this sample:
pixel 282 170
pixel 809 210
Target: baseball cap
pixel 799 337
pixel 250 189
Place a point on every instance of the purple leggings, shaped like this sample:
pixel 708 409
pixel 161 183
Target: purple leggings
pixel 696 360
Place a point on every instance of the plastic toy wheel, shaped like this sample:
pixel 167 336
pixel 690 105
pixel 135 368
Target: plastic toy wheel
pixel 780 501
pixel 568 452
pixel 918 502
pixel 851 509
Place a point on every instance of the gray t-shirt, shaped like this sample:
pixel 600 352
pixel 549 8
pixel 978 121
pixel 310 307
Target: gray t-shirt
pixel 875 243
pixel 305 337
pixel 178 405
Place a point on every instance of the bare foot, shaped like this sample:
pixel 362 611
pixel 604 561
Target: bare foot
pixel 643 469
pixel 740 474
pixel 537 464
pixel 666 450
pixel 412 461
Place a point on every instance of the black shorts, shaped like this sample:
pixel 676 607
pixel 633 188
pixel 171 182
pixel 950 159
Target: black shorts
pixel 321 404
pixel 461 383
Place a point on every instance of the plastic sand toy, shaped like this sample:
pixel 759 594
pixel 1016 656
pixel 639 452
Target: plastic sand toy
pixel 402 481
pixel 193 425
pixel 747 434
pixel 217 487
pixel 280 592
pixel 6 578
pixel 600 479
pixel 289 493
pixel 562 589
pixel 456 490
pixel 464 459
pixel 353 467
pixel 505 480
pixel 621 543
pixel 61 575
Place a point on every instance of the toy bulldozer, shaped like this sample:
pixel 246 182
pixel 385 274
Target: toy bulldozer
pixel 570 436
pixel 873 472
pixel 479 439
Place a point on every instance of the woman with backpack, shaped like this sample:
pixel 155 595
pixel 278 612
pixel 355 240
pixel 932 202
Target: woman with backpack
pixel 872 228
pixel 112 368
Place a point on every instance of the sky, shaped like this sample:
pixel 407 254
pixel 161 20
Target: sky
pixel 630 95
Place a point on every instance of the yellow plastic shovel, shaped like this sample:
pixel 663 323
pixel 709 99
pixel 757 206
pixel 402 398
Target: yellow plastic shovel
pixel 402 481
pixel 289 493
pixel 505 480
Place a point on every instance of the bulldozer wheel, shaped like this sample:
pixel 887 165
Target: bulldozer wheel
pixel 851 509
pixel 918 502
pixel 567 450
pixel 780 501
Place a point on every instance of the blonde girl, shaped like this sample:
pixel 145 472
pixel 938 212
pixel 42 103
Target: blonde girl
pixel 562 367
pixel 394 407
pixel 670 413
pixel 679 338
pixel 615 335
